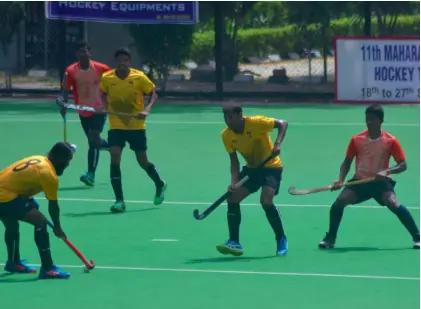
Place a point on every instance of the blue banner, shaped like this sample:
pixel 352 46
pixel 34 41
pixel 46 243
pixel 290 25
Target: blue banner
pixel 139 12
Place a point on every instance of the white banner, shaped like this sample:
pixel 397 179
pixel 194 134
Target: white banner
pixel 377 70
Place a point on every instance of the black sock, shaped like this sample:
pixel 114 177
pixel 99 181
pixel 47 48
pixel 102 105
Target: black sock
pixel 153 174
pixel 93 157
pixel 336 213
pixel 115 174
pixel 43 243
pixel 407 220
pixel 234 221
pixel 12 244
pixel 275 221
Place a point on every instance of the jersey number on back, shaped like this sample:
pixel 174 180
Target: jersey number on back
pixel 25 165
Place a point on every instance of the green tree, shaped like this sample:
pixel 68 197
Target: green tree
pixel 11 15
pixel 387 13
pixel 161 46
pixel 314 14
pixel 234 13
pixel 267 14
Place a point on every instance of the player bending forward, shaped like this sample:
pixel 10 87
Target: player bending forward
pixel 83 77
pixel 372 149
pixel 123 90
pixel 250 137
pixel 18 183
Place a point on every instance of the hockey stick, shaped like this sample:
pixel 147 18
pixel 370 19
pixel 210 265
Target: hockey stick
pixel 88 264
pixel 292 190
pixel 64 116
pixel 60 102
pixel 210 209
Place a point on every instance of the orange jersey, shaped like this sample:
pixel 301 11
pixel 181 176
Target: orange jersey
pixel 28 177
pixel 85 84
pixel 372 156
pixel 254 144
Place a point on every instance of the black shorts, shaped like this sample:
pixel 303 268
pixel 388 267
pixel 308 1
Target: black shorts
pixel 93 123
pixel 265 177
pixel 135 138
pixel 370 190
pixel 17 208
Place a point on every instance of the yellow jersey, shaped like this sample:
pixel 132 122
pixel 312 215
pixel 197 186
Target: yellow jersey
pixel 126 96
pixel 254 144
pixel 28 177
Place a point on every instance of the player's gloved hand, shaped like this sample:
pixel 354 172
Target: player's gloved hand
pixel 231 188
pixel 336 185
pixel 276 149
pixel 59 232
pixel 142 115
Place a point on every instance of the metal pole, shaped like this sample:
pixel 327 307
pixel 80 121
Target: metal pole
pixel 324 53
pixel 62 60
pixel 46 39
pixel 85 31
pixel 219 30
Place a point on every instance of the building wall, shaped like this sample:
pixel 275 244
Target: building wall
pixel 105 39
pixel 15 58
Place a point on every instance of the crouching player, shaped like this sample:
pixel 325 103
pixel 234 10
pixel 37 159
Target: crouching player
pixel 372 149
pixel 18 183
pixel 250 137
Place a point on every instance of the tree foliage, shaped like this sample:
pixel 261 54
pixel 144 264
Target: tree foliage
pixel 161 46
pixel 272 14
pixel 234 14
pixel 11 15
pixel 387 13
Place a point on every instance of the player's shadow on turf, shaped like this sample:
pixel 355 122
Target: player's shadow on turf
pixel 362 249
pixel 11 278
pixel 105 213
pixel 229 259
pixel 78 188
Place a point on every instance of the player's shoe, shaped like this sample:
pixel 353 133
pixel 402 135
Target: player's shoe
pixel 118 206
pixel 160 194
pixel 282 247
pixel 53 272
pixel 88 179
pixel 327 242
pixel 20 267
pixel 416 242
pixel 230 247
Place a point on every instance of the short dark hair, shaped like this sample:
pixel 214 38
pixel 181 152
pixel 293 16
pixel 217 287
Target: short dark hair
pixel 61 150
pixel 82 44
pixel 123 51
pixel 376 110
pixel 232 108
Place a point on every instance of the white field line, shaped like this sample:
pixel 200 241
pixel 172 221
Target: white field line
pixel 244 272
pixel 210 203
